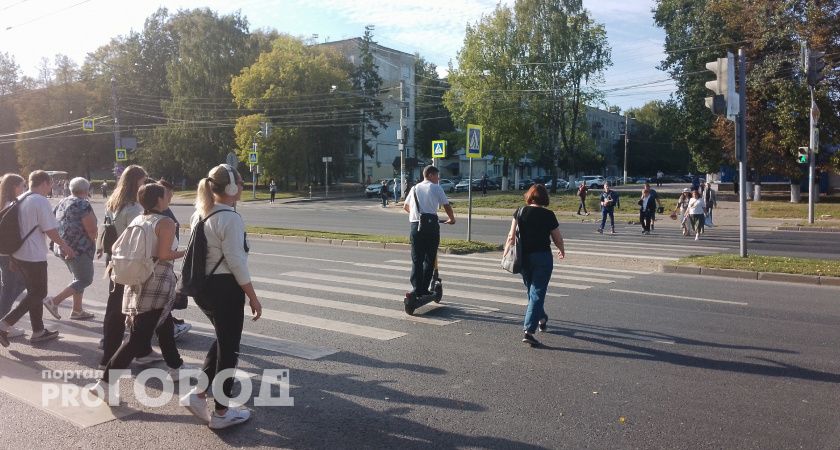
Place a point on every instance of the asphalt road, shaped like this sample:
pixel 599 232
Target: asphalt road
pixel 633 359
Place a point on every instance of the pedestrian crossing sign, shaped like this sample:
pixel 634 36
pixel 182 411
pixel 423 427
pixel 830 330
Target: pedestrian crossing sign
pixel 253 158
pixel 122 155
pixel 438 149
pixel 88 125
pixel 473 141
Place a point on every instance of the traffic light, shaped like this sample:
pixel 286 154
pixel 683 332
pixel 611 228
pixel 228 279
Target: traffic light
pixel 802 155
pixel 725 101
pixel 815 66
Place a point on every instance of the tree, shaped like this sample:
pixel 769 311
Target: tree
pixel 654 141
pixel 9 84
pixel 432 119
pixel 368 83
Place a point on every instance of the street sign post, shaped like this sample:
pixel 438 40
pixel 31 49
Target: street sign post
pixel 438 149
pixel 327 160
pixel 473 151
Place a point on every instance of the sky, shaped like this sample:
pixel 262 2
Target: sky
pixel 34 29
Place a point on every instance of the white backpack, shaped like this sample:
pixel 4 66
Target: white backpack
pixel 131 260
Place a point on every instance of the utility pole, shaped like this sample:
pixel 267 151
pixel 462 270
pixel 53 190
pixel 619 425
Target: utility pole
pixel 116 119
pixel 401 137
pixel 626 139
pixel 741 148
pixel 814 64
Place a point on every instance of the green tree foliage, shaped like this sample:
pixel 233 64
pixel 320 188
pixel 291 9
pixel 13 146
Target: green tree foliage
pixel 368 84
pixel 305 92
pixel 9 85
pixel 655 142
pixel 432 120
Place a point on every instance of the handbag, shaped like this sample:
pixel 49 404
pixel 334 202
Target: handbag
pixel 107 235
pixel 512 256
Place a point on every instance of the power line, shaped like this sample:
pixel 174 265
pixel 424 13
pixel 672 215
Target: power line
pixel 44 16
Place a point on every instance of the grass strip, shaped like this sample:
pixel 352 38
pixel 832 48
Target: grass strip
pixel 786 210
pixel 456 246
pixel 774 264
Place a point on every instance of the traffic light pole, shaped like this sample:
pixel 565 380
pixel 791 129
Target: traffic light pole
pixel 741 149
pixel 811 161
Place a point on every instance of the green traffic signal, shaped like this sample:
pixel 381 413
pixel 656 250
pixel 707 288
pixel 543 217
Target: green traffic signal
pixel 802 155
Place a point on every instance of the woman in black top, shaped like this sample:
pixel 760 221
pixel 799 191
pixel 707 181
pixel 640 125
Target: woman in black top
pixel 538 226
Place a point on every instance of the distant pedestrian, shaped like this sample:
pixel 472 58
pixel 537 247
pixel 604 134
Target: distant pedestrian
pixel 695 213
pixel 680 210
pixel 647 208
pixel 272 189
pixel 383 193
pixel 104 188
pixel 609 201
pixel 31 259
pixel 582 191
pixel 659 176
pixel 484 185
pixel 658 209
pixel 11 280
pixel 537 227
pixel 397 189
pixel 710 200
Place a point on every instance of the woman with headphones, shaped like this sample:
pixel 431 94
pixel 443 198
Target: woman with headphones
pixel 223 297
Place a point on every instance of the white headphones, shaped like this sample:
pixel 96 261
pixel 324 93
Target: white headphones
pixel 231 188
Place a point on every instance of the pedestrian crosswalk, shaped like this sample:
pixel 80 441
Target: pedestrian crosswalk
pixel 316 310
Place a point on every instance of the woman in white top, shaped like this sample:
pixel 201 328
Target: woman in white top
pixel 147 306
pixel 223 297
pixel 695 212
pixel 122 207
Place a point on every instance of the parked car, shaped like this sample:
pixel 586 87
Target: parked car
pixel 372 190
pixel 447 185
pixel 525 183
pixel 591 181
pixel 561 184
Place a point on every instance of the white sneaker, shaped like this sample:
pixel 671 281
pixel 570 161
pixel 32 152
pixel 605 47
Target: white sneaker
pixel 14 332
pixel 150 358
pixel 181 329
pixel 196 405
pixel 233 416
pixel 697 237
pixel 50 306
pixel 99 390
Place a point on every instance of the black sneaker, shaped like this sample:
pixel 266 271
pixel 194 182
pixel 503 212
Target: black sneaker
pixel 541 325
pixel 4 338
pixel 44 335
pixel 530 340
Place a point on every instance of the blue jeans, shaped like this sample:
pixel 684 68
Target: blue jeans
pixel 604 213
pixel 11 285
pixel 82 269
pixel 536 273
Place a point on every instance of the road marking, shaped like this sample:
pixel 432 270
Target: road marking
pixel 637 337
pixel 506 278
pixel 332 325
pixel 352 307
pixel 26 384
pixel 562 266
pixel 621 255
pixel 558 269
pixel 449 283
pixel 643 245
pixel 350 291
pixel 463 267
pixel 696 299
pixel 383 284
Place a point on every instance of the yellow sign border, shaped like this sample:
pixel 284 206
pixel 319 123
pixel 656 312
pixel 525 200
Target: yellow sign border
pixel 480 141
pixel 256 158
pixel 117 154
pixel 443 155
pixel 92 123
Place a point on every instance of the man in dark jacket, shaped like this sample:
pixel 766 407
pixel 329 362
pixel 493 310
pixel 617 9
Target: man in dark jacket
pixel 609 201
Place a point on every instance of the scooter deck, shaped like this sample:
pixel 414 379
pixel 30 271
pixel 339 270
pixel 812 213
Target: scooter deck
pixel 412 302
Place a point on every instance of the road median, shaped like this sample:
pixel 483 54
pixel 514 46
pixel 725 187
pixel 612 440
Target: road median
pixel 767 268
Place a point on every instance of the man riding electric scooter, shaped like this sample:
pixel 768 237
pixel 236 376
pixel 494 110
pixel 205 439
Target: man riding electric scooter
pixel 422 204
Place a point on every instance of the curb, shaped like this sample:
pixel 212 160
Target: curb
pixel 750 275
pixel 815 229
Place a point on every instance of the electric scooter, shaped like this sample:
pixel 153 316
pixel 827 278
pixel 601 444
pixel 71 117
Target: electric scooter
pixel 413 301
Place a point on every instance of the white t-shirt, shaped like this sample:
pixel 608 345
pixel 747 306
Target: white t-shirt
pixel 431 198
pixel 696 206
pixel 35 211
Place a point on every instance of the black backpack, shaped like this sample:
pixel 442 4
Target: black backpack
pixel 10 237
pixel 193 276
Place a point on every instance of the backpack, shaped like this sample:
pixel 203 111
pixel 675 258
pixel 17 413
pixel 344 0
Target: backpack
pixel 131 260
pixel 193 271
pixel 10 236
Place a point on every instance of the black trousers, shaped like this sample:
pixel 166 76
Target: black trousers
pixel 35 278
pixel 140 340
pixel 582 205
pixel 645 217
pixel 424 247
pixel 113 325
pixel 223 302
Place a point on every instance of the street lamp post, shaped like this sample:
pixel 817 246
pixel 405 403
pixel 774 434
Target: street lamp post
pixel 626 141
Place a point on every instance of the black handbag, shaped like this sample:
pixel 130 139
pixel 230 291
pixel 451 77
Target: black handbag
pixel 107 235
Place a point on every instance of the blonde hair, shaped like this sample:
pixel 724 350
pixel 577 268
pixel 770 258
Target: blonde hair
pixel 126 190
pixel 7 187
pixel 215 183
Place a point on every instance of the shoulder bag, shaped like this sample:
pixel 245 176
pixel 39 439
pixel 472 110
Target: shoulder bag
pixel 512 256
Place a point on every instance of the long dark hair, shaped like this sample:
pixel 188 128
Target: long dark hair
pixel 9 182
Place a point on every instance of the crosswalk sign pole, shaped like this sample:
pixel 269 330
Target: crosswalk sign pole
pixel 469 202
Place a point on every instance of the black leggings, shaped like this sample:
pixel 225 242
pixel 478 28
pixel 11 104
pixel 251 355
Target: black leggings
pixel 140 340
pixel 113 325
pixel 223 302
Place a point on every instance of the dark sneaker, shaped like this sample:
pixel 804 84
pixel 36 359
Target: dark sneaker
pixel 601 230
pixel 4 339
pixel 44 335
pixel 530 340
pixel 541 325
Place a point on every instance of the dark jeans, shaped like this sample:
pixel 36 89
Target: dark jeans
pixel 604 213
pixel 424 247
pixel 582 205
pixel 223 302
pixel 140 340
pixel 536 273
pixel 384 199
pixel 11 285
pixel 35 279
pixel 273 194
pixel 645 217
pixel 113 325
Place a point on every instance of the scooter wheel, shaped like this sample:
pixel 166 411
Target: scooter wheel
pixel 438 293
pixel 409 310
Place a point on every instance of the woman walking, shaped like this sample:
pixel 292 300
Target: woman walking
pixel 696 213
pixel 223 298
pixel 77 226
pixel 147 306
pixel 272 189
pixel 680 210
pixel 121 208
pixel 11 281
pixel 538 226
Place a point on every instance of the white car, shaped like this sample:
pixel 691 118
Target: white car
pixel 447 185
pixel 591 181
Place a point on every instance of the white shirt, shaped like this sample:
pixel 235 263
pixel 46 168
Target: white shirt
pixel 430 196
pixel 35 211
pixel 225 234
pixel 696 206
